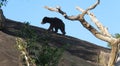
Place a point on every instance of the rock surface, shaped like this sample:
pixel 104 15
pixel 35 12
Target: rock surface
pixel 79 52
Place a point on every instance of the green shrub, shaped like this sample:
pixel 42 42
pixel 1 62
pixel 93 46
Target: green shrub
pixel 48 56
pixel 42 54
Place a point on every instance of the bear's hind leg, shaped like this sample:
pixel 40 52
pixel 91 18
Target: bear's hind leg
pixel 63 31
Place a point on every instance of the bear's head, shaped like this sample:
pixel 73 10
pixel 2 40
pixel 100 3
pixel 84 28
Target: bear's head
pixel 45 20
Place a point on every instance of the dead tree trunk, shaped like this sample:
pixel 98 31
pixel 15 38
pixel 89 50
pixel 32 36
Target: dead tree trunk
pixel 2 19
pixel 102 32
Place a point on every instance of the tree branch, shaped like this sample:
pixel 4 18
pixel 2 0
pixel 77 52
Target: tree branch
pixel 99 25
pixel 80 18
pixel 57 9
pixel 90 8
pixel 102 34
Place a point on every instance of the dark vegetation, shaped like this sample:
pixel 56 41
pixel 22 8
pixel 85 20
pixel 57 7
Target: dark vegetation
pixel 43 54
pixel 3 3
pixel 76 52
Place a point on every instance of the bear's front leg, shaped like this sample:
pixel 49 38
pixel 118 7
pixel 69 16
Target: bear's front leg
pixel 50 28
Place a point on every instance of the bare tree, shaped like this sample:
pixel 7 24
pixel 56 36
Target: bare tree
pixel 100 33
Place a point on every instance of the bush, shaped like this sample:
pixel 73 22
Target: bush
pixel 42 54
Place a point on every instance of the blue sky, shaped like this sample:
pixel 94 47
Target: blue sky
pixel 107 12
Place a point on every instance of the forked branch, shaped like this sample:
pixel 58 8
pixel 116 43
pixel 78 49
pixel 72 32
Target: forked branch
pixel 102 32
pixel 99 25
pixel 80 17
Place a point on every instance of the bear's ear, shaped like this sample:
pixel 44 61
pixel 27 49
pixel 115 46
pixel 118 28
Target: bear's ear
pixel 45 17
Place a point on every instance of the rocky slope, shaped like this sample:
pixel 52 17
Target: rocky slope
pixel 79 52
pixel 9 55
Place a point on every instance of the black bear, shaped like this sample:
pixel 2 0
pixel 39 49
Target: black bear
pixel 55 24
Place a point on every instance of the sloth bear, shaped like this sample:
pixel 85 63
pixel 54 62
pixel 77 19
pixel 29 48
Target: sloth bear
pixel 55 24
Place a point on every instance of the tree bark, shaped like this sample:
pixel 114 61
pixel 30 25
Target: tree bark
pixel 113 54
pixel 2 19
